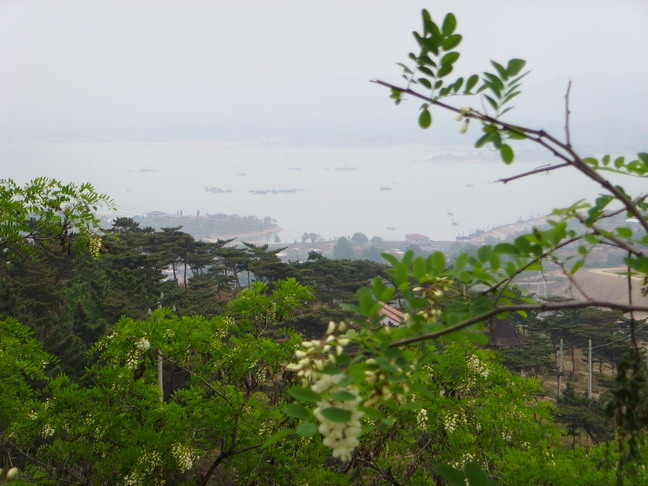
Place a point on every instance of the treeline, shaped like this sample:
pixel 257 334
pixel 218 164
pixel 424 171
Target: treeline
pixel 71 300
pixel 210 225
pixel 85 402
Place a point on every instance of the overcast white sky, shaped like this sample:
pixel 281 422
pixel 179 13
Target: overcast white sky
pixel 66 62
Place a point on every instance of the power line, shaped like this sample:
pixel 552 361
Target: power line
pixel 620 339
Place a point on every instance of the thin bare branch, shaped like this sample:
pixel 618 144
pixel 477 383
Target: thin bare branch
pixel 532 262
pixel 633 337
pixel 534 171
pixel 547 306
pixel 559 149
pixel 572 280
pixel 567 113
pixel 606 234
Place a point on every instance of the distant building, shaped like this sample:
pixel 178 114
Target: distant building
pixel 390 316
pixel 154 214
pixel 414 238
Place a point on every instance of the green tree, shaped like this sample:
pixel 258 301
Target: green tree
pixel 46 211
pixel 359 238
pixel 444 301
pixel 343 249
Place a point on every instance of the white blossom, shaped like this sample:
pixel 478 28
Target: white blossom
pixel 143 344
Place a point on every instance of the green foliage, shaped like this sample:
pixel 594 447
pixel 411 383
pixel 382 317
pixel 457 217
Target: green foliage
pixel 452 302
pixel 47 211
pixel 222 391
pixel 343 249
pixel 415 404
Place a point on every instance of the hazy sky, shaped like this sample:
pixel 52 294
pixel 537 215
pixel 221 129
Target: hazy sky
pixel 67 62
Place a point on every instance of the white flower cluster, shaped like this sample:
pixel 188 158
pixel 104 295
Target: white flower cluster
pixel 463 112
pixel 47 431
pixel 318 353
pixel 476 370
pixel 422 418
pixel 477 366
pixel 380 382
pixel 432 293
pixel 132 360
pixel 94 246
pixel 143 344
pixel 341 437
pixel 185 456
pixel 453 420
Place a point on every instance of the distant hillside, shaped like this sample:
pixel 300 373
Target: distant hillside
pixel 211 225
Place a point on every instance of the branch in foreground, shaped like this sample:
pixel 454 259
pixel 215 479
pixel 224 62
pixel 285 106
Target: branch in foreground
pixel 556 147
pixel 522 307
pixel 534 171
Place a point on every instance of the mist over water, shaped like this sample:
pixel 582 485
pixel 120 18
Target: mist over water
pixel 386 191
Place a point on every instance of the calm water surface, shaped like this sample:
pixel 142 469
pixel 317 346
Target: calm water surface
pixel 385 191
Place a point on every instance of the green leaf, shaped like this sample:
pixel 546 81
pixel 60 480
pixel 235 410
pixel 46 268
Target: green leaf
pixel 437 261
pixel 523 244
pixel 483 140
pixel 304 394
pixel 494 261
pixel 624 232
pixel 388 421
pixel 500 69
pixel 425 118
pixel 576 266
pixel 507 154
pixel 343 396
pixel 444 71
pixel 476 476
pixel 450 58
pixel 277 437
pixel 484 253
pixel 514 67
pixel 335 414
pixel 307 429
pixel 296 410
pixel 506 249
pixel 451 42
pixel 330 369
pixel 492 102
pixel 450 474
pixel 461 261
pixel 471 82
pixel 371 412
pixel 449 24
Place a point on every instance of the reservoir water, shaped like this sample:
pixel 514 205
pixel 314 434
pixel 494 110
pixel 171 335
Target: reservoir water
pixel 385 191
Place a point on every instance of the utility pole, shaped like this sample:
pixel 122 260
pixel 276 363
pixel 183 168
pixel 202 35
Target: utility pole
pixel 160 364
pixel 589 370
pixel 560 368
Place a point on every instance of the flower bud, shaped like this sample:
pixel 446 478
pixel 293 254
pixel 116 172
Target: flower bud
pixel 331 327
pixel 12 474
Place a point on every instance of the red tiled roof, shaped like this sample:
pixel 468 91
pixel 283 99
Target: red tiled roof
pixel 391 313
